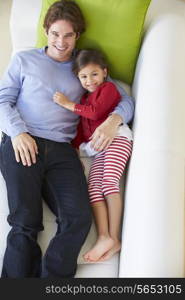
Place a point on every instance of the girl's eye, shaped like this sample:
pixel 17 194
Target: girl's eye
pixel 83 77
pixel 95 74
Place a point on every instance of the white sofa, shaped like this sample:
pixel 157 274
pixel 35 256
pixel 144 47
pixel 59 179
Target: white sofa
pixel 153 227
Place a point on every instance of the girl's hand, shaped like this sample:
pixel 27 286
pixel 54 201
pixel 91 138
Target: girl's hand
pixel 62 100
pixel 106 132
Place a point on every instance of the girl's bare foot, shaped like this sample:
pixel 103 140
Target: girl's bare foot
pixel 103 244
pixel 116 248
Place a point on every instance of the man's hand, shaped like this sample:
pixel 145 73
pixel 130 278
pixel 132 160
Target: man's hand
pixel 106 132
pixel 62 100
pixel 25 149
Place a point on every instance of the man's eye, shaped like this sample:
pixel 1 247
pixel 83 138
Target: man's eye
pixel 70 35
pixel 55 33
pixel 83 77
pixel 95 74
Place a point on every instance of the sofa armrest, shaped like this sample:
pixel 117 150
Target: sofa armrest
pixel 159 86
pixel 23 29
pixel 153 227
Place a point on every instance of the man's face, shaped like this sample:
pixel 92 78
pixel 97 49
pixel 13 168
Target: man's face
pixel 61 40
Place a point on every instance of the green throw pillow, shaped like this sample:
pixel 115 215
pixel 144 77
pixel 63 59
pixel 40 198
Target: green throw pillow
pixel 113 26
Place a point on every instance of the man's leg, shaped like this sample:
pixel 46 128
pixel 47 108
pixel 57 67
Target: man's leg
pixel 65 191
pixel 23 255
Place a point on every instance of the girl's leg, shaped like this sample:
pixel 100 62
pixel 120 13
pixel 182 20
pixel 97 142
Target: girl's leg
pixel 104 242
pixel 116 158
pixel 115 208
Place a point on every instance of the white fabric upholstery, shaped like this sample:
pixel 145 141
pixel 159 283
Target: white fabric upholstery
pixel 153 230
pixel 153 227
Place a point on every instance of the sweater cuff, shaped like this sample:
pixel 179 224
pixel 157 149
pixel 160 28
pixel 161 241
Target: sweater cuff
pixel 77 108
pixel 17 131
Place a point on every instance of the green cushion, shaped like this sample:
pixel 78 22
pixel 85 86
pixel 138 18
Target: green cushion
pixel 114 26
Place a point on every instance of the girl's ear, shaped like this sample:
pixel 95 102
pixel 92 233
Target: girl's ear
pixel 105 72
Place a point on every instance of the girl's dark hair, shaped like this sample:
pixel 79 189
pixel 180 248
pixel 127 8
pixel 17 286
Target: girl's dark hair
pixel 65 10
pixel 88 56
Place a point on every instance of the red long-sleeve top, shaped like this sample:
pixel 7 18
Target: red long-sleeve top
pixel 94 108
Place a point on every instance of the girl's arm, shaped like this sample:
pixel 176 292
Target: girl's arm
pixel 64 101
pixel 100 104
pixel 103 101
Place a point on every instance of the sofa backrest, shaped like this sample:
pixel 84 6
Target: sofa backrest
pixel 120 51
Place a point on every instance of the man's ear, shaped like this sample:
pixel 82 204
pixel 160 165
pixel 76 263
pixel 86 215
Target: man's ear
pixel 45 32
pixel 77 35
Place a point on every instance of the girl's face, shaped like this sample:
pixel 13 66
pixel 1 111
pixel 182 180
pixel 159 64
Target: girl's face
pixel 91 76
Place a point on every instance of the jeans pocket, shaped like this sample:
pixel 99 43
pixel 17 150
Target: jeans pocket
pixel 3 138
pixel 3 151
pixel 1 157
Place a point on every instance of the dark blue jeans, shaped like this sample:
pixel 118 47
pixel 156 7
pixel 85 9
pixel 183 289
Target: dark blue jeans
pixel 58 177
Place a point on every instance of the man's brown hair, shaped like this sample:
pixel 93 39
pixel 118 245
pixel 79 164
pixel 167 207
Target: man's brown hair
pixel 66 10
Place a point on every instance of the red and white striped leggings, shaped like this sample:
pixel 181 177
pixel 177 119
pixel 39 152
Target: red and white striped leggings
pixel 107 168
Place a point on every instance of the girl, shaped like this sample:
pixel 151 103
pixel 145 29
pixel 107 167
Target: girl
pixel 108 165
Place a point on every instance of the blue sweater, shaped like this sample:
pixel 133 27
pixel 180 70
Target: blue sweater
pixel 26 93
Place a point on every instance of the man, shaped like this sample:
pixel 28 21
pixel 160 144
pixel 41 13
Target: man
pixel 36 157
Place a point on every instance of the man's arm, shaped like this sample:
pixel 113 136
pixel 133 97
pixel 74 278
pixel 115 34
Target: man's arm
pixel 123 113
pixel 24 145
pixel 10 86
pixel 125 108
